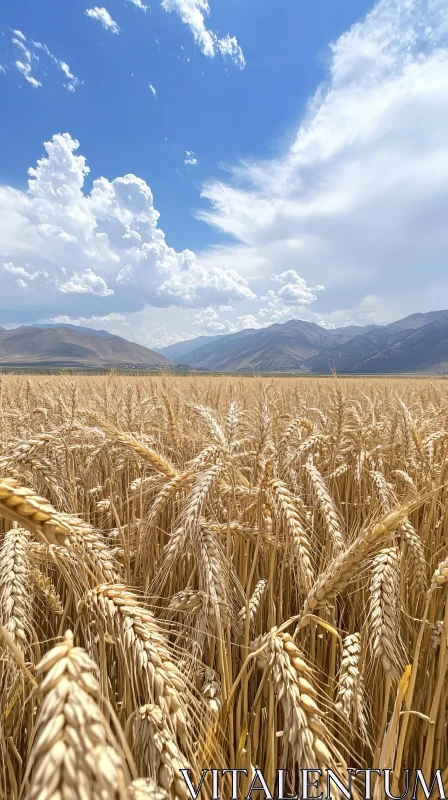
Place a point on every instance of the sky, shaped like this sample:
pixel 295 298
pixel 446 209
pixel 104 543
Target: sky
pixel 176 168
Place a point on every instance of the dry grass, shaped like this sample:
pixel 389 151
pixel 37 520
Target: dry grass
pixel 219 571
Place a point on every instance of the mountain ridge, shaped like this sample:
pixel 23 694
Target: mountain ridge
pixel 65 346
pixel 301 346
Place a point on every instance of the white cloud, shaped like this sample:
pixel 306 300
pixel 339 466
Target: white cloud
pixel 153 90
pixel 72 81
pixel 190 158
pixel 230 47
pixel 294 288
pixel 95 253
pixel 248 321
pixel 208 321
pixel 29 61
pixel 87 283
pixel 103 16
pixel 87 322
pixel 358 201
pixel 139 4
pixel 2 69
pixel 25 69
pixel 193 13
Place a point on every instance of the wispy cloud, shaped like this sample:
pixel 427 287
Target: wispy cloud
pixel 25 68
pixel 30 53
pixel 139 4
pixel 103 16
pixel 153 90
pixel 193 13
pixel 190 158
pixel 357 203
pixel 72 81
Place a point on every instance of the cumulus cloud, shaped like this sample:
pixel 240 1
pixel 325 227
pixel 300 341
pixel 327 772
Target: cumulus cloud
pixel 103 16
pixel 294 288
pixel 209 322
pixel 193 13
pixel 139 4
pixel 99 252
pixel 358 201
pixel 190 158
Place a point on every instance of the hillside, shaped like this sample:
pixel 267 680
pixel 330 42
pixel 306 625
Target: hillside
pixel 415 321
pixel 180 349
pixel 424 349
pixel 349 356
pixel 66 346
pixel 274 349
pixel 277 348
pixel 93 331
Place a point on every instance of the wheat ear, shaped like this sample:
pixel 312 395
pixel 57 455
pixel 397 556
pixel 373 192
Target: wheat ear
pixel 15 597
pixel 74 754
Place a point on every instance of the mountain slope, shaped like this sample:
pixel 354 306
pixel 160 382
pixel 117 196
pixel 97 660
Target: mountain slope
pixel 93 331
pixel 348 357
pixel 179 349
pixel 279 347
pixel 415 321
pixel 424 349
pixel 68 346
pixel 272 349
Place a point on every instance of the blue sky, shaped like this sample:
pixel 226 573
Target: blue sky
pixel 316 134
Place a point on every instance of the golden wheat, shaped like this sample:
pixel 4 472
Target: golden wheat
pixel 255 572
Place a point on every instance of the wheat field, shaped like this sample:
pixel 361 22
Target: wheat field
pixel 210 572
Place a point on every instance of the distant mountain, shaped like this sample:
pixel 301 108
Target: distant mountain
pixel 422 350
pixel 350 331
pixel 277 348
pixel 179 349
pixel 417 343
pixel 415 321
pixel 49 326
pixel 349 356
pixel 300 346
pixel 70 346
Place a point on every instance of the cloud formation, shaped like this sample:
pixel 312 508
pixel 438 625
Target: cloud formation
pixel 103 16
pixel 101 250
pixel 193 14
pixel 35 57
pixel 357 202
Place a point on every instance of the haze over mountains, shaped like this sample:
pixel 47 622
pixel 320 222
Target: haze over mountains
pixel 417 343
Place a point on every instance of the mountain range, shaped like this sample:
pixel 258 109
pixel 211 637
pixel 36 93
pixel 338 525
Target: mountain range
pixel 417 343
pixel 65 345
